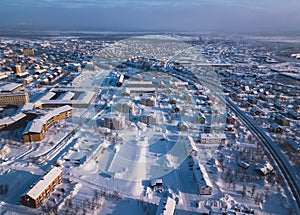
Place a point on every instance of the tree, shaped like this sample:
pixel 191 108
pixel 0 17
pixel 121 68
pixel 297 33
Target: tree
pixel 253 190
pixel 244 191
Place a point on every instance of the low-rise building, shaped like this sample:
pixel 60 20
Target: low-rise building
pixel 36 129
pixel 182 126
pixel 125 106
pixel 264 168
pixel 276 128
pixel 166 206
pixel 212 138
pixel 201 177
pixel 281 120
pixel 151 117
pixel 148 100
pixel 294 144
pixel 114 120
pixel 42 189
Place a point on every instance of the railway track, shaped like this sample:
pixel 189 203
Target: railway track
pixel 278 157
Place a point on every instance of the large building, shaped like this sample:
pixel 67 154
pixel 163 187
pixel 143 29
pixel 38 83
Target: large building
pixel 11 88
pixel 36 129
pixel 75 97
pixel 13 94
pixel 13 99
pixel 42 189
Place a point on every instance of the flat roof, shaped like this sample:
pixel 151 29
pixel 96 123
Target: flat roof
pixel 66 96
pixel 43 183
pixel 166 207
pixel 10 87
pixel 48 96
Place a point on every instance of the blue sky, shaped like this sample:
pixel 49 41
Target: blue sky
pixel 178 15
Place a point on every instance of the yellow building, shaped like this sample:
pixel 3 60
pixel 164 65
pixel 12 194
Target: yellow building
pixel 36 129
pixel 42 189
pixel 28 52
pixel 18 69
pixel 14 99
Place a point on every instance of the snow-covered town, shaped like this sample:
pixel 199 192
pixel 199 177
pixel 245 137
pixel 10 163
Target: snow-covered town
pixel 179 124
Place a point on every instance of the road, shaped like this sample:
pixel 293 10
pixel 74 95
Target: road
pixel 287 171
pixel 285 168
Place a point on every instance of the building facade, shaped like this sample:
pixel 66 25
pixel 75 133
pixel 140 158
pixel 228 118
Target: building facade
pixel 42 189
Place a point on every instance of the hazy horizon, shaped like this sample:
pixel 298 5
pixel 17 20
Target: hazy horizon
pixel 164 15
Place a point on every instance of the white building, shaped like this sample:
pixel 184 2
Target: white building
pixel 201 177
pixel 125 106
pixel 114 120
pixel 151 117
pixel 166 206
pixel 148 100
pixel 212 138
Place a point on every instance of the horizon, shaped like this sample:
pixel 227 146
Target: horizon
pixel 164 16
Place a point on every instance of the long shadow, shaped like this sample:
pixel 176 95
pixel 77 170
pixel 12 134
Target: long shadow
pixel 18 183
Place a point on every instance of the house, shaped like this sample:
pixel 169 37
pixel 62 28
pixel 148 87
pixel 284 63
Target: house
pixel 148 100
pixel 42 189
pixel 281 120
pixel 276 128
pixel 166 206
pixel 252 100
pixel 212 138
pixel 230 119
pixel 201 118
pixel 264 168
pixel 182 126
pixel 294 144
pixel 114 120
pixel 255 111
pixel 245 104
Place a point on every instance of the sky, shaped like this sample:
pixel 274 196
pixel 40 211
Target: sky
pixel 156 15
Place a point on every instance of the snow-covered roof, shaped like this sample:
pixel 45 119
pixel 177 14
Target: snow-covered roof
pixel 48 96
pixel 201 174
pixel 43 183
pixel 10 87
pixel 166 207
pixel 36 125
pixel 66 96
pixel 10 120
pixel 27 107
pixel 213 136
pixel 138 83
pixel 190 144
pixel 140 90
